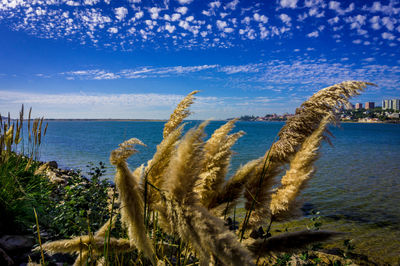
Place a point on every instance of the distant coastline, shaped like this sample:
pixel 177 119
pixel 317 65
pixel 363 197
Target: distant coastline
pixel 103 120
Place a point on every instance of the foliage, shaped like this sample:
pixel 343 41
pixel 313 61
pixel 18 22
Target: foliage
pixel 20 188
pixel 80 204
pixel 20 192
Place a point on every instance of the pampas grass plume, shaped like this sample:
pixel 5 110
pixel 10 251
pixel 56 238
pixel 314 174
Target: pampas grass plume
pixel 132 213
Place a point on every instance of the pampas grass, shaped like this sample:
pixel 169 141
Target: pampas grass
pixel 216 162
pixel 301 170
pixel 132 213
pixel 185 187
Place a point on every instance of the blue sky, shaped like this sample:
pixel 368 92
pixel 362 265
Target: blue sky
pixel 137 59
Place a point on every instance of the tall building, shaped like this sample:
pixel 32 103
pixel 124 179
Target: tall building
pixel 369 105
pixel 396 104
pixel 386 104
pixel 393 104
pixel 358 106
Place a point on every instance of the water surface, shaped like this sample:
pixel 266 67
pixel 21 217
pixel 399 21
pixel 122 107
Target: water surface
pixel 356 185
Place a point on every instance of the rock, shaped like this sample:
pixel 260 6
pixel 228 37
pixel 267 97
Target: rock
pixel 53 164
pixel 5 259
pixel 16 242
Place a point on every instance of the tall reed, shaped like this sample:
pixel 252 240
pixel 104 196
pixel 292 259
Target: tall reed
pixel 184 187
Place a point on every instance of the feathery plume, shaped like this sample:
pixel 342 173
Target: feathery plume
pixel 180 113
pixel 233 188
pixel 185 165
pixel 131 199
pixel 75 245
pixel 157 166
pixel 216 162
pixel 83 257
pixel 207 234
pixel 291 136
pixel 193 223
pixel 301 170
pixel 309 115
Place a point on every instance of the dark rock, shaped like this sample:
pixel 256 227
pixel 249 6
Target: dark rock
pixel 53 164
pixel 16 242
pixel 5 259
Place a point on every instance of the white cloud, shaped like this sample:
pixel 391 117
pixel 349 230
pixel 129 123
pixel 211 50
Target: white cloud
pixel 143 72
pixel 169 28
pixel 231 5
pixel 288 3
pixel 250 68
pixel 91 2
pixel 228 30
pixel 154 12
pixel 388 36
pixel 356 22
pixel 313 34
pixel 388 9
pixel 113 30
pixel 334 20
pixel 120 13
pixel 369 59
pixel 139 15
pixel 182 10
pixel 315 12
pixel 334 5
pixel 260 18
pixel 215 4
pixel 175 16
pixel 185 2
pixel 375 22
pixel 221 24
pixel 184 24
pixel 285 19
pixel 389 22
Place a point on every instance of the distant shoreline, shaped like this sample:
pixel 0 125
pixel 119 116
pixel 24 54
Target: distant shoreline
pixel 103 120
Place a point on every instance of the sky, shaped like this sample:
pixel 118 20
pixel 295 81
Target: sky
pixel 138 59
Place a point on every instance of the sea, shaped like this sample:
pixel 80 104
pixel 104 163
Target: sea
pixel 355 189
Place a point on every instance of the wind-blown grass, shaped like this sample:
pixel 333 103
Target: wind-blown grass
pixel 177 200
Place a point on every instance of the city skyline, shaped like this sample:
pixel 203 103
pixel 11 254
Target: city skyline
pixel 137 59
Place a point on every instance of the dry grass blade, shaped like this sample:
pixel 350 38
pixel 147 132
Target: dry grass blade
pixel 132 214
pixel 180 113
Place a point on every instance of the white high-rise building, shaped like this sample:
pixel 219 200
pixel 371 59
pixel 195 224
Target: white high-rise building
pixel 396 104
pixel 393 104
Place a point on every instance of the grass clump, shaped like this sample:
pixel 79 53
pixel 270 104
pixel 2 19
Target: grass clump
pixel 173 208
pixel 20 188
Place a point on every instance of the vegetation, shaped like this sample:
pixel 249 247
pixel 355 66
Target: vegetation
pixel 20 189
pixel 75 206
pixel 173 208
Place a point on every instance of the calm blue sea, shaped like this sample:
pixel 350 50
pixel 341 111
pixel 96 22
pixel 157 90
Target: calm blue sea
pixel 357 179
